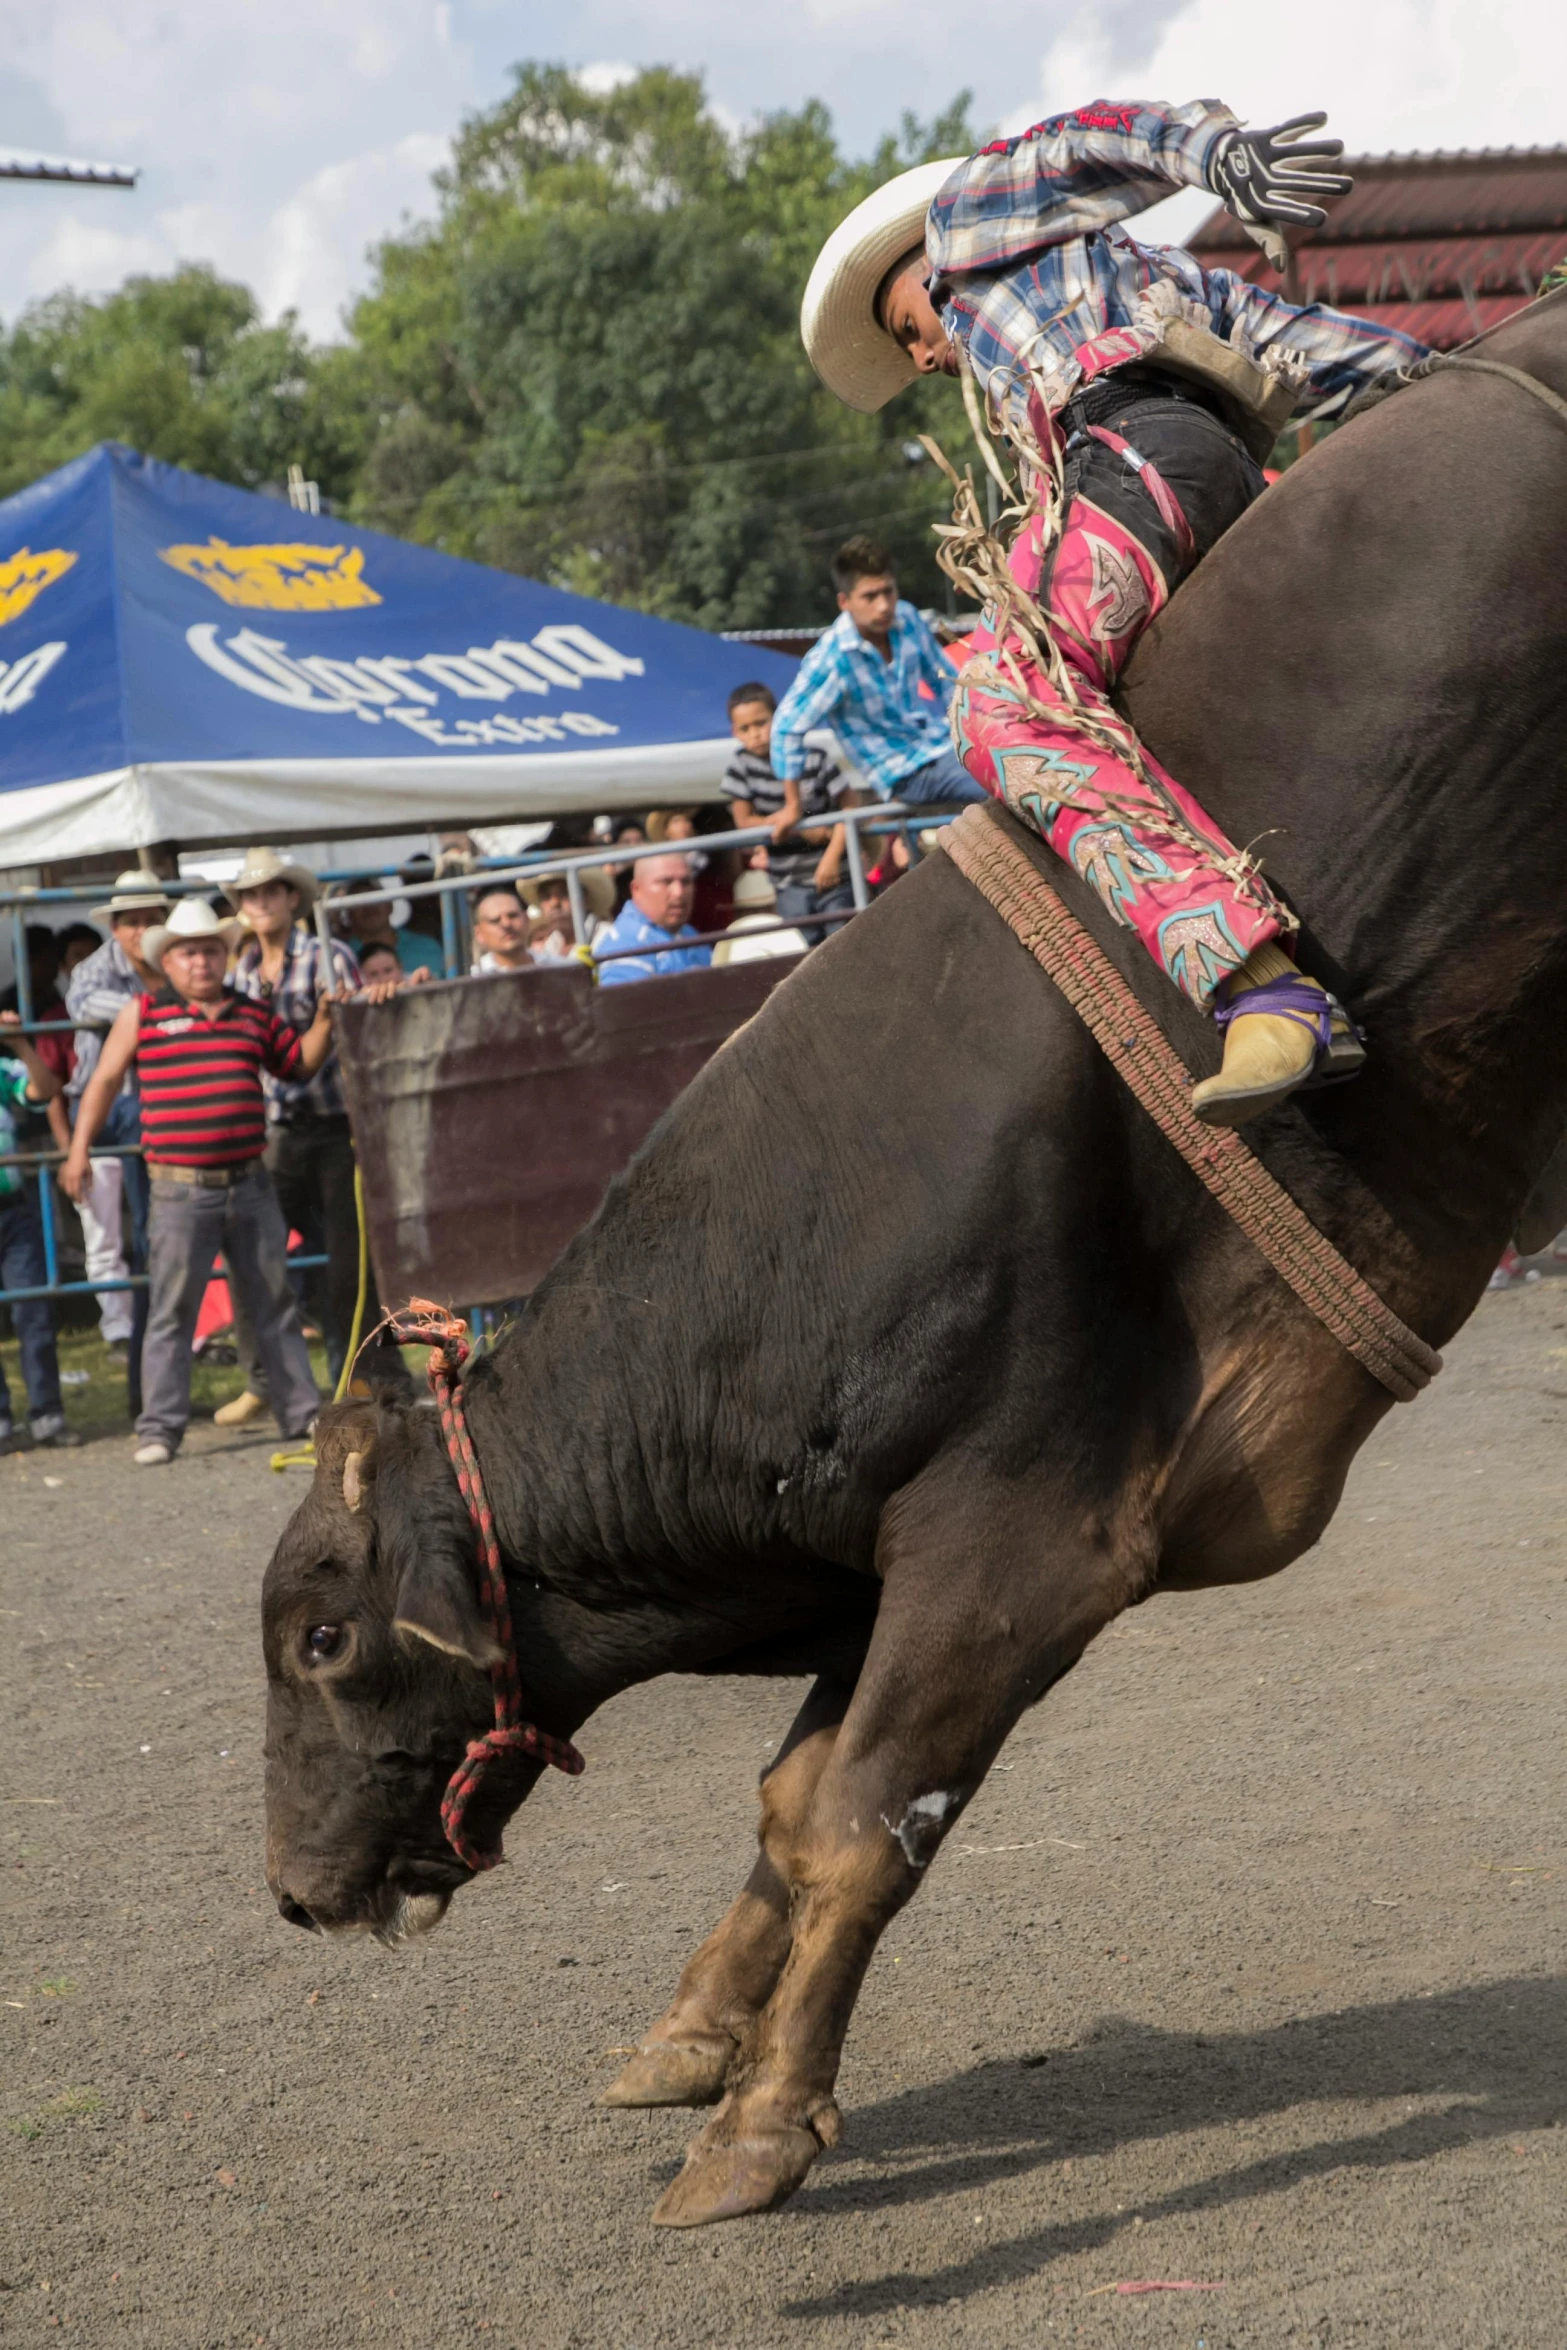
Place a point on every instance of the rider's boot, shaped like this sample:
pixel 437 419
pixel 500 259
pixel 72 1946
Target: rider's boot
pixel 1281 1031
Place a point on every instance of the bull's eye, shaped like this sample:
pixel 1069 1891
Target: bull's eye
pixel 324 1641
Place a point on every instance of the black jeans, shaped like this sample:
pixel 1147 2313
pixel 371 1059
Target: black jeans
pixel 1212 477
pixel 311 1163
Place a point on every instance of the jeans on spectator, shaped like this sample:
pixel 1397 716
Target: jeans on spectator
pixel 122 1125
pixel 99 1210
pixel 799 900
pixel 946 778
pixel 188 1224
pixel 22 1267
pixel 311 1163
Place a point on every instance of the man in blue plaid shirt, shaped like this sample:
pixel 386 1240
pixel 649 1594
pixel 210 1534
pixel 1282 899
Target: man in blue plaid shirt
pixel 878 679
pixel 1150 390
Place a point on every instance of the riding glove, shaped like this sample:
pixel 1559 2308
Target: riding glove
pixel 1268 177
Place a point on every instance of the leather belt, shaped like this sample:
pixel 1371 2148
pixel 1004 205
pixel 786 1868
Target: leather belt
pixel 207 1178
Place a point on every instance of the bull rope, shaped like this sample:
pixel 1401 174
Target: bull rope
pixel 1342 1300
pixel 422 1324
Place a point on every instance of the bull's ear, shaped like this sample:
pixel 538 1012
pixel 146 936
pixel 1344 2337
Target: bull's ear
pixel 345 1453
pixel 436 1602
pixel 355 1478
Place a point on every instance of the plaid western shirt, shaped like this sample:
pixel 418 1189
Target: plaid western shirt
pixel 294 999
pixel 1027 264
pixel 873 706
pixel 100 987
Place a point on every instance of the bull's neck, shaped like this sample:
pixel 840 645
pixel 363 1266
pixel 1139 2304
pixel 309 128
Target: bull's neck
pixel 599 1598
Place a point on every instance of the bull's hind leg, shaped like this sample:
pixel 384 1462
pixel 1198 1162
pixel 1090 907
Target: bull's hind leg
pixel 687 2054
pixel 987 1600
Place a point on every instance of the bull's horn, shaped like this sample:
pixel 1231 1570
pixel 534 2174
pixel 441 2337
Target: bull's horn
pixel 353 1480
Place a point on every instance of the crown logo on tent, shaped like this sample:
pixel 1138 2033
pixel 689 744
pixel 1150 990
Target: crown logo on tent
pixel 24 576
pixel 298 578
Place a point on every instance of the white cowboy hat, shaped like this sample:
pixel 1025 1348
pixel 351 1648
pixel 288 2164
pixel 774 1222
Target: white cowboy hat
pixel 755 888
pixel 135 892
pixel 854 355
pixel 191 918
pixel 264 865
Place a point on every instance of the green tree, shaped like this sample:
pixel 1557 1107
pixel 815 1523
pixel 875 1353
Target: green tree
pixel 588 366
pixel 179 367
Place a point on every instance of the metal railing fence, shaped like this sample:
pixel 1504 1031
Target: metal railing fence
pixel 879 819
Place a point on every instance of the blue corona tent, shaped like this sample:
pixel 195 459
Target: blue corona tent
pixel 184 661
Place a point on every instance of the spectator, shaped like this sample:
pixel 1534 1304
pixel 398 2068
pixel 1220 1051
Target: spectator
pixel 500 930
pixel 712 894
pixel 116 1194
pixel 365 924
pixel 203 1049
pixel 310 1144
pixel 76 942
pixel 878 679
pixel 628 834
pixel 43 993
pixel 757 901
pixel 27 1079
pixel 548 900
pixel 756 796
pixel 379 964
pixel 655 913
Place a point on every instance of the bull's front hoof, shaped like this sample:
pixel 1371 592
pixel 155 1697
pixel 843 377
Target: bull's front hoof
pixel 727 2176
pixel 673 2072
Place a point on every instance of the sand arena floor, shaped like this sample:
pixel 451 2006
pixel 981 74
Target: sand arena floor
pixel 1244 1970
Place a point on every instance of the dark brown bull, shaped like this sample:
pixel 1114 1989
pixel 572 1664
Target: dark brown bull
pixel 908 1354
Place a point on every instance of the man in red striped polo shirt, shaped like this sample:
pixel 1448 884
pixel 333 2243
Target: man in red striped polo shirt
pixel 200 1050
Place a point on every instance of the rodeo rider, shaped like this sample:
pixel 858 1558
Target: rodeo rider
pixel 1156 387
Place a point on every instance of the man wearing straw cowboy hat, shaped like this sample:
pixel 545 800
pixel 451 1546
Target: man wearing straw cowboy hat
pixel 548 901
pixel 1139 393
pixel 202 1050
pixel 310 1146
pixel 99 989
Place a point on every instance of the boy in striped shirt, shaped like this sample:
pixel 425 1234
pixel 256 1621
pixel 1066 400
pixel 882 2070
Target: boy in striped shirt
pixel 201 1050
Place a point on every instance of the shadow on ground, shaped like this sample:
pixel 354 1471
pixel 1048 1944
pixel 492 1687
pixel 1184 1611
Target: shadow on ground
pixel 1496 2052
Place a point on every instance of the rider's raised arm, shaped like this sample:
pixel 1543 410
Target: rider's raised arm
pixel 1068 176
pixel 1342 354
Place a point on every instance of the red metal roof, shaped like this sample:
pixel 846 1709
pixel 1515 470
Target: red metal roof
pixel 1440 246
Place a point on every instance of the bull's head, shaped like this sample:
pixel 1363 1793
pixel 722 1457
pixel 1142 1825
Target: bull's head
pixel 377 1676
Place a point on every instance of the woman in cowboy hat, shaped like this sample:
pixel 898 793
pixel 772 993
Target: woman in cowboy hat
pixel 1152 388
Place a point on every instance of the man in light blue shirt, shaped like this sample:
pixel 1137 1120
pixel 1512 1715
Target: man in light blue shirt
pixel 864 680
pixel 655 914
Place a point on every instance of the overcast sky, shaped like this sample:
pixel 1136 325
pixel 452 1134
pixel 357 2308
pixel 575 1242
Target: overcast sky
pixel 277 142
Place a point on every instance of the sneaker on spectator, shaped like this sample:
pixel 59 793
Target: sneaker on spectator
pixel 50 1428
pixel 11 1438
pixel 153 1456
pixel 244 1407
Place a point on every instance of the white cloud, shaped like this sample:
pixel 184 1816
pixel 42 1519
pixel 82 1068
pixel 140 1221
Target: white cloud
pixel 278 142
pixel 314 246
pixel 1393 74
pixel 606 75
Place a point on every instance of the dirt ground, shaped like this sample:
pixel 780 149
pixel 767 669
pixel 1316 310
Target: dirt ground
pixel 1244 1970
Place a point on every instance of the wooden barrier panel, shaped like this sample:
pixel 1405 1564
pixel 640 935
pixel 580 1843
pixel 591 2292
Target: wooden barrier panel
pixel 489 1114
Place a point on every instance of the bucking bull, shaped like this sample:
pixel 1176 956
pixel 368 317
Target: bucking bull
pixel 907 1353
